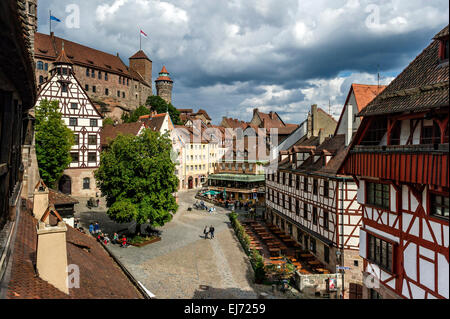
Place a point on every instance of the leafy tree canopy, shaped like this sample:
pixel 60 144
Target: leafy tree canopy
pixel 53 142
pixel 136 114
pixel 137 176
pixel 108 121
pixel 158 104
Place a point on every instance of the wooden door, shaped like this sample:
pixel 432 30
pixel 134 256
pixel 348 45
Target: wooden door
pixel 355 291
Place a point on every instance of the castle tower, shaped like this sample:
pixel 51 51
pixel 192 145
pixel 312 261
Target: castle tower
pixel 164 85
pixel 140 63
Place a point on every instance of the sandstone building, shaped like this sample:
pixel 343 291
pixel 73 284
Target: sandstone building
pixel 114 87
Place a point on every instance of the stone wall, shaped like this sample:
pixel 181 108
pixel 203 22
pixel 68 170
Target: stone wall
pixel 164 90
pixel 77 176
pixel 314 284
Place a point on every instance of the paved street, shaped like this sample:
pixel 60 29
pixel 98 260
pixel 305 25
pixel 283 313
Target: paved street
pixel 184 265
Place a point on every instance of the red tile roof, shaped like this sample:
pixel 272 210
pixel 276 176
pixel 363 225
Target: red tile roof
pixel 100 276
pixel 140 55
pixel 57 198
pixel 49 47
pixel 62 58
pixel 365 93
pixel 110 132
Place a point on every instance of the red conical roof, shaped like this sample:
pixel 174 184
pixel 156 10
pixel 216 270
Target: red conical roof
pixel 164 75
pixel 164 70
pixel 62 58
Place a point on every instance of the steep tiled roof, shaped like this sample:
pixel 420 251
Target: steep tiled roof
pixel 423 85
pixel 62 58
pixel 57 198
pixel 110 132
pixel 235 123
pixel 100 276
pixel 442 33
pixel 364 93
pixel 140 55
pixel 154 123
pixel 49 47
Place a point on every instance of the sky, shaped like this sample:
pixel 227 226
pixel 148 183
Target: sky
pixel 229 57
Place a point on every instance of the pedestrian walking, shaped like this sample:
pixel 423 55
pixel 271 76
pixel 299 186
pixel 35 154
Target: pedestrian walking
pixel 96 228
pixel 91 228
pixel 205 232
pixel 211 230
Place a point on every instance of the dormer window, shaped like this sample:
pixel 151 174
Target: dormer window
pixel 443 50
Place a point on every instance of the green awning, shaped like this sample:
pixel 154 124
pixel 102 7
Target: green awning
pixel 213 193
pixel 238 177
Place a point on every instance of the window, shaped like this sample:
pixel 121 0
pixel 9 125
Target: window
pixel 290 229
pixel 94 88
pixel 315 186
pixel 290 204
pixel 64 87
pixel 431 134
pixel 312 245
pixel 86 87
pixel 326 220
pixel 118 93
pixel 92 139
pixel 299 236
pixel 106 76
pixel 305 211
pixel 46 66
pixel 99 75
pixel 75 157
pixel 297 207
pixel 326 188
pixel 128 82
pixel 375 132
pixel 106 92
pixel 439 205
pixel 86 183
pixel 87 72
pixel 73 121
pixel 290 180
pixel 73 106
pixel 92 157
pixel 123 94
pixel 120 80
pixel 93 73
pixel 41 79
pixel 380 252
pixel 378 195
pixel 64 71
pixel 77 139
pixel 94 123
pixel 326 254
pixel 297 182
pixel 40 65
pixel 284 201
pixel 356 263
pixel 314 215
pixel 305 184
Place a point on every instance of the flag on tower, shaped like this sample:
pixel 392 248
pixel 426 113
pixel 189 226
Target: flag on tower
pixel 142 32
pixel 54 18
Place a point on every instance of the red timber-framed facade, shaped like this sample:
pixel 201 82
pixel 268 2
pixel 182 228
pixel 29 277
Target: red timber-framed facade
pixel 317 203
pixel 80 115
pixel 399 159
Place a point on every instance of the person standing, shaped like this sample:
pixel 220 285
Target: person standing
pixel 96 228
pixel 205 232
pixel 211 230
pixel 91 228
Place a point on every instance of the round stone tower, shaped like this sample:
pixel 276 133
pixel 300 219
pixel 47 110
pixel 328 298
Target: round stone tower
pixel 164 85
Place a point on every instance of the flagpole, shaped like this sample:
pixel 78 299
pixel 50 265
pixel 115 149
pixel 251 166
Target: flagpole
pixel 140 40
pixel 50 19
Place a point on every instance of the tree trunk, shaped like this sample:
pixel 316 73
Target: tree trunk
pixel 138 230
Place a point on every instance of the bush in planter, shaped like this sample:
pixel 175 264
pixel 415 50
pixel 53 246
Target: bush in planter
pixel 257 262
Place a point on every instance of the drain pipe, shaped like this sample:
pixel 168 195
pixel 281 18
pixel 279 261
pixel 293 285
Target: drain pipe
pixel 342 238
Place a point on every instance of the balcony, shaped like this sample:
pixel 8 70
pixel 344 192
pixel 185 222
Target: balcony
pixel 419 164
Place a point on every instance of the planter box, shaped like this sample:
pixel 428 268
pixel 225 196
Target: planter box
pixel 155 240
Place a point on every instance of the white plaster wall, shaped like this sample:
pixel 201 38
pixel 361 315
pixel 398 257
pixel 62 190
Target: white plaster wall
pixel 410 261
pixel 361 192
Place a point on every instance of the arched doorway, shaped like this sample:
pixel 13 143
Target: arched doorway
pixel 65 185
pixel 191 183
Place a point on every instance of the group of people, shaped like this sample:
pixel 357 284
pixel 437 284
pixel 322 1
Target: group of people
pixel 94 230
pixel 209 231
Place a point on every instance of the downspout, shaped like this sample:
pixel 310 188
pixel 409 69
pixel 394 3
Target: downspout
pixel 342 238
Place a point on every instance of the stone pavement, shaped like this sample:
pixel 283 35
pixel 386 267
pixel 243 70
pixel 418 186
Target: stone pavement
pixel 184 265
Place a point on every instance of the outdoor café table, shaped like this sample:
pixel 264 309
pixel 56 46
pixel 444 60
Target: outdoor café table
pixel 306 256
pixel 314 262
pixel 274 251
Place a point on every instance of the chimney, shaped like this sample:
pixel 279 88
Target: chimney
pixel 349 133
pixel 309 126
pixel 272 115
pixel 51 263
pixel 315 120
pixel 321 136
pixel 40 199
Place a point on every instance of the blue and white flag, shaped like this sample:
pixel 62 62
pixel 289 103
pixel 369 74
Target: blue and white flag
pixel 54 18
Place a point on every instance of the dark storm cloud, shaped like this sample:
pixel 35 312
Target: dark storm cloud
pixel 228 55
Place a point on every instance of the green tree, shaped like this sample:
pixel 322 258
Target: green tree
pixel 136 114
pixel 137 176
pixel 108 121
pixel 158 104
pixel 53 142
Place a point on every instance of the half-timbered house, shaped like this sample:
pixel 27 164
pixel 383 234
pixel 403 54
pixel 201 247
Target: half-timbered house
pixel 80 115
pixel 399 159
pixel 314 204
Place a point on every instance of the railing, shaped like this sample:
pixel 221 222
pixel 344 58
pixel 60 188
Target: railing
pixel 419 148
